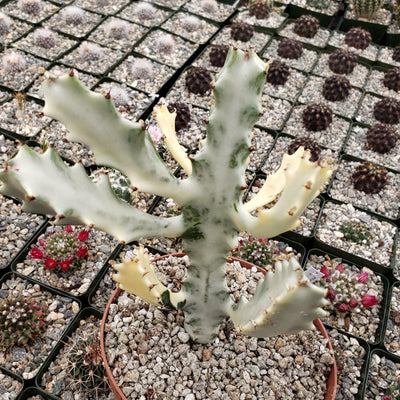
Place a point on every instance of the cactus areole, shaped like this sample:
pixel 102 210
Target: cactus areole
pixel 210 199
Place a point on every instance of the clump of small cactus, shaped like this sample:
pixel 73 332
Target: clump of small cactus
pixel 354 231
pixel 242 31
pixel 191 23
pixel 182 119
pixel 5 24
pixel 309 144
pixel 44 37
pixel 347 289
pixel 117 29
pixel 393 391
pixel 342 61
pixel 255 251
pixel 396 53
pixel 21 320
pixel 369 177
pixel 290 48
pixel 278 73
pixel 73 15
pixel 209 6
pixel 32 7
pixel 145 10
pixel 13 62
pixel 306 26
pixel 259 9
pixel 392 79
pixel 336 88
pixel 63 248
pixel 358 38
pixel 165 44
pixel 198 80
pixel 218 54
pixel 142 69
pixel 381 138
pixel 90 51
pixel 85 366
pixel 387 111
pixel 366 8
pixel 317 117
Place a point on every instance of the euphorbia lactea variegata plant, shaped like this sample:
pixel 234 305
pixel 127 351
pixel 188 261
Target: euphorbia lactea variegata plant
pixel 210 198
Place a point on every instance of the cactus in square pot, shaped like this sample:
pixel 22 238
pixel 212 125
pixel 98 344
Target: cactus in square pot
pixel 210 200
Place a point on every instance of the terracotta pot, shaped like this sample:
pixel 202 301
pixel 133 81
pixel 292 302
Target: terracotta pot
pixel 119 395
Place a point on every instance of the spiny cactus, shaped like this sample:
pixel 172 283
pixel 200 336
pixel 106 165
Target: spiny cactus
pixel 145 10
pixel 85 365
pixel 336 88
pixel 44 37
pixel 387 110
pixel 342 61
pixel 306 26
pixel 13 62
pixel 366 8
pixel 191 23
pixel 142 69
pixel 290 48
pixel 210 200
pixel 358 38
pixel 278 73
pixel 119 96
pixel 62 248
pixel 319 4
pixel 182 119
pixel 73 15
pixel 21 320
pixel 117 29
pixel 392 79
pixel 259 9
pixel 309 144
pixel 5 24
pixel 165 44
pixel 369 177
pixel 255 251
pixel 242 31
pixel 317 117
pixel 90 51
pixel 32 7
pixel 381 138
pixel 218 54
pixel 198 80
pixel 354 231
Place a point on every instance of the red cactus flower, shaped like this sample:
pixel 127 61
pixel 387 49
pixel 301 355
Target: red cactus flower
pixel 82 251
pixel 325 271
pixel 343 308
pixel 369 301
pixel 64 265
pixel 83 235
pixel 42 242
pixel 387 397
pixel 36 253
pixel 363 277
pixel 339 267
pixel 353 303
pixel 331 294
pixel 50 263
pixel 263 240
pixel 68 229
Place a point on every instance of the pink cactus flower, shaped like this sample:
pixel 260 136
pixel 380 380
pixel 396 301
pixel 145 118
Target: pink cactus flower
pixel 68 229
pixel 331 294
pixel 83 235
pixel 353 303
pixel 363 277
pixel 339 267
pixel 343 308
pixel 325 271
pixel 36 253
pixel 369 301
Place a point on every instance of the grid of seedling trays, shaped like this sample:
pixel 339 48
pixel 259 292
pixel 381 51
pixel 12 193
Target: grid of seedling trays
pixel 140 53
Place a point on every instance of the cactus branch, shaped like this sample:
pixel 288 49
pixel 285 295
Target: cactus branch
pixel 115 141
pixel 273 311
pixel 46 185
